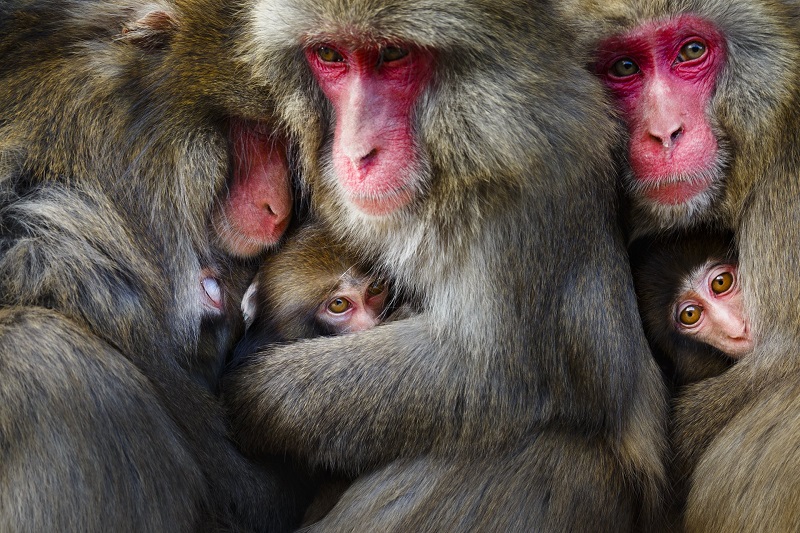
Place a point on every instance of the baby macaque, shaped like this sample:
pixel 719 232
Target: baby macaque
pixel 315 286
pixel 691 303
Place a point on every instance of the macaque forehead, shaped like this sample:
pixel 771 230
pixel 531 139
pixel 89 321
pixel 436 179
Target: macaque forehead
pixel 662 35
pixel 698 276
pixel 276 23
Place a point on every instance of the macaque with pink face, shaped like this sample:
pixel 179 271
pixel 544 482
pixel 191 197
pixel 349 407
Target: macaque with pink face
pixel 662 76
pixel 691 302
pixel 709 308
pixel 314 286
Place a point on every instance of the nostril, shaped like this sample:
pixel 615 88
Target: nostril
pixel 372 153
pixel 675 134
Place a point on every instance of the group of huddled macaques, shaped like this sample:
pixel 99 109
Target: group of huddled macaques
pixel 399 265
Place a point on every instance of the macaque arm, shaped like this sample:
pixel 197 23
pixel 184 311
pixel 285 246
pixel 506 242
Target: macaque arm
pixel 352 400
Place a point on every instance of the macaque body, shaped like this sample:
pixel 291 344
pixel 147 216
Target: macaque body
pixel 138 172
pixel 435 139
pixel 710 94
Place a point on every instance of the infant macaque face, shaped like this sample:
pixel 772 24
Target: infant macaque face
pixel 709 308
pixel 356 305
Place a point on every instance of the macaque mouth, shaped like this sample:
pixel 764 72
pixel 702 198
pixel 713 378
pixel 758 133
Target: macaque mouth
pixel 384 203
pixel 672 190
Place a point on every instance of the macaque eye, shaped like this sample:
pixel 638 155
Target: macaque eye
pixel 722 283
pixel 690 314
pixel 338 306
pixel 329 55
pixel 393 53
pixel 376 287
pixel 624 67
pixel 213 291
pixel 691 50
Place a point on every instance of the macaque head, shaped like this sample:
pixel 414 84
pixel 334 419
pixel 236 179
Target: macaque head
pixel 709 308
pixel 690 299
pixel 373 88
pixel 356 303
pixel 663 75
pixel 315 286
pixel 257 208
pixel 233 134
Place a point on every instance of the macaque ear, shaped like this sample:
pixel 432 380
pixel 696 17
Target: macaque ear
pixel 152 31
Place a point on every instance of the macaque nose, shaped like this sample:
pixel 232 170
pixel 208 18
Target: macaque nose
pixel 361 162
pixel 277 213
pixel 666 136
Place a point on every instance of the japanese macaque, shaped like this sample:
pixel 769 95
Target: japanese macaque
pixel 436 139
pixel 315 286
pixel 710 93
pixel 140 168
pixel 690 299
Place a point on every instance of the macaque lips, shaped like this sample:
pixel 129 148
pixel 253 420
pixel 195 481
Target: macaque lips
pixel 672 191
pixel 663 76
pixel 373 90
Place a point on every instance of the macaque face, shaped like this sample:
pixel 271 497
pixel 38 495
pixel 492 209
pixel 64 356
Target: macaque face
pixel 354 306
pixel 373 90
pixel 258 207
pixel 710 310
pixel 663 76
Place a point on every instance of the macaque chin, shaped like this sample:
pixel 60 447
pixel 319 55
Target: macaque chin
pixel 709 308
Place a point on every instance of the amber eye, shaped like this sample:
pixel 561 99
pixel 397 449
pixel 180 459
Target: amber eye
pixel 339 305
pixel 722 283
pixel 393 53
pixel 690 314
pixel 691 50
pixel 376 287
pixel 329 55
pixel 624 67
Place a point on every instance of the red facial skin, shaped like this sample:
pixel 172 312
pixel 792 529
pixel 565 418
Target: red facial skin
pixel 362 308
pixel 373 93
pixel 259 204
pixel 664 100
pixel 722 322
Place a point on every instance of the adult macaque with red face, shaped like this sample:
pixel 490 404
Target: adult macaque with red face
pixel 663 76
pixel 436 139
pixel 689 292
pixel 710 92
pixel 132 150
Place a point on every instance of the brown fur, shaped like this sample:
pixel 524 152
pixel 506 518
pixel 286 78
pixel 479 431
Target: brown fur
pixel 734 433
pixel 295 281
pixel 113 150
pixel 523 396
